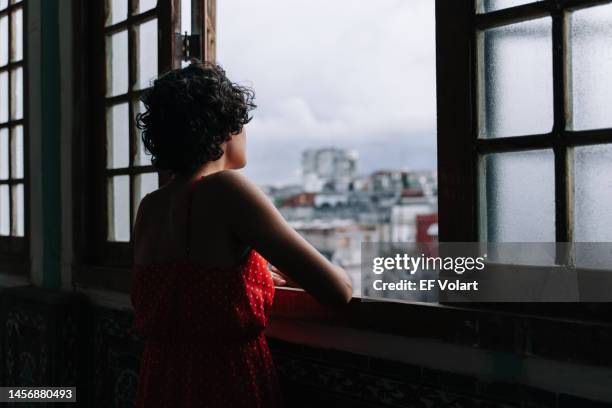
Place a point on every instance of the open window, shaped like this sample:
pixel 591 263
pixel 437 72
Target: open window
pixel 529 149
pixel 544 132
pixel 133 41
pixel 344 137
pixel 13 134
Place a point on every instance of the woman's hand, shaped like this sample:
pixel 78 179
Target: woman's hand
pixel 280 279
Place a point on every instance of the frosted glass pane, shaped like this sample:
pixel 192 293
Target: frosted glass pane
pixel 145 183
pixel 4 154
pixel 147 53
pixel 144 5
pixel 4 40
pixel 17 93
pixel 116 11
pixel 117 63
pixel 591 68
pixel 518 93
pixel 118 137
pixel 17 35
pixel 142 158
pixel 119 208
pixel 4 97
pixel 520 196
pixel 17 152
pixel 5 214
pixel 492 5
pixel 17 226
pixel 593 193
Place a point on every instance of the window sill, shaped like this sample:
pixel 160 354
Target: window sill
pixel 15 266
pixel 110 278
pixel 522 329
pixel 392 316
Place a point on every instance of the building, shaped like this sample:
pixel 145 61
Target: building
pixel 328 169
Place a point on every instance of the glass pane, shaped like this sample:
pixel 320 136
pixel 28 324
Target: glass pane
pixel 4 154
pixel 142 158
pixel 119 208
pixel 144 5
pixel 592 193
pixel 145 183
pixel 118 137
pixel 117 63
pixel 3 4
pixel 147 53
pixel 116 11
pixel 518 93
pixel 591 57
pixel 4 41
pixel 17 226
pixel 185 16
pixel 17 152
pixel 17 93
pixel 185 22
pixel 4 96
pixel 17 35
pixel 492 5
pixel 520 196
pixel 5 214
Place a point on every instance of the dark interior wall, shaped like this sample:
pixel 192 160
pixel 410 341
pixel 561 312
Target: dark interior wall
pixel 53 337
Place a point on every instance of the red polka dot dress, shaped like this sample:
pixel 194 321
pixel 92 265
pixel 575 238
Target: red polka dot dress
pixel 203 330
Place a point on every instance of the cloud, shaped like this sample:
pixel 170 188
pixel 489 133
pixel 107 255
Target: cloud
pixel 347 73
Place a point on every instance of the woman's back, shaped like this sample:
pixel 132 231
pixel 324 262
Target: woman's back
pixel 202 322
pixel 186 219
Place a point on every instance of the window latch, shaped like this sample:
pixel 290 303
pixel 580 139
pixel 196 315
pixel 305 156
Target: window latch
pixel 189 46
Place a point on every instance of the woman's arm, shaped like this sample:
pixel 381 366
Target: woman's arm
pixel 258 223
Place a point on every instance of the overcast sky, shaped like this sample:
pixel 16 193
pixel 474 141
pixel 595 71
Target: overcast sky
pixel 345 73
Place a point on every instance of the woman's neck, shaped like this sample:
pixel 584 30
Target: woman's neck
pixel 204 170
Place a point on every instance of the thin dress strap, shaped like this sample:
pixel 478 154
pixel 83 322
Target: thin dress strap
pixel 189 205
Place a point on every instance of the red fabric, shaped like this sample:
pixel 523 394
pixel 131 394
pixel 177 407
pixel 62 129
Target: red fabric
pixel 203 330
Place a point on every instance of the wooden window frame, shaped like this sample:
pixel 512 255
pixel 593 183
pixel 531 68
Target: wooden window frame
pixel 561 140
pixel 458 152
pixel 100 262
pixel 14 250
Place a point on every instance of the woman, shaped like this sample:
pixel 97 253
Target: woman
pixel 201 286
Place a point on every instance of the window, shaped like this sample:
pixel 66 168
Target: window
pixel 13 131
pixel 136 40
pixel 544 134
pixel 343 139
pixel 536 140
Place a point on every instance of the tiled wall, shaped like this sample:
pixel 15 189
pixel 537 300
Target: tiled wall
pixel 51 338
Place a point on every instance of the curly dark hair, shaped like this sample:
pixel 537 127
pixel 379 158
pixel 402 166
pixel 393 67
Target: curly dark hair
pixel 189 113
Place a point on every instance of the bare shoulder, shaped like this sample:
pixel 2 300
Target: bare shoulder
pixel 141 215
pixel 235 194
pixel 147 203
pixel 232 183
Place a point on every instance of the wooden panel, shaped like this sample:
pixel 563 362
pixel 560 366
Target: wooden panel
pixel 455 47
pixel 210 31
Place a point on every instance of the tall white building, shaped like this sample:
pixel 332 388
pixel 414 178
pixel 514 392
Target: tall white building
pixel 328 169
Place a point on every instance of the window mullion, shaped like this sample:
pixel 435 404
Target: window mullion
pixel 563 173
pixel 132 70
